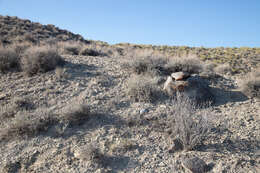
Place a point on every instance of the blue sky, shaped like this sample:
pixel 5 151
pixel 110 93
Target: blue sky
pixel 208 23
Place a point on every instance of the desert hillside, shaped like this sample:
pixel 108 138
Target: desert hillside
pixel 72 105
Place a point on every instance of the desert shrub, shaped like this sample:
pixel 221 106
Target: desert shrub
pixel 71 48
pixel 186 64
pixel 95 50
pixel 91 52
pixel 77 115
pixel 189 124
pixel 91 153
pixel 143 89
pixel 146 65
pixel 20 103
pixel 250 85
pixel 9 110
pixel 223 69
pixel 27 124
pixel 9 60
pixel 40 60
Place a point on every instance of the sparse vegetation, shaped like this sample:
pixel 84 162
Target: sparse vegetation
pixel 142 89
pixel 27 124
pixel 223 69
pixel 71 48
pixel 40 60
pixel 189 124
pixel 127 123
pixel 91 153
pixel 77 115
pixel 188 64
pixel 250 85
pixel 9 60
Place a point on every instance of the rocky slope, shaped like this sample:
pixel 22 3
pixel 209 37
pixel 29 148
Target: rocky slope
pixel 233 145
pixel 121 134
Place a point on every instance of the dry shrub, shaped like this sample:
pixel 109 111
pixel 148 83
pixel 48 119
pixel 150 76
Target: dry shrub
pixel 145 62
pixel 40 59
pixel 250 85
pixel 9 59
pixel 189 124
pixel 91 153
pixel 143 89
pixel 190 64
pixel 70 47
pixel 27 124
pixel 94 50
pixel 223 69
pixel 9 110
pixel 77 115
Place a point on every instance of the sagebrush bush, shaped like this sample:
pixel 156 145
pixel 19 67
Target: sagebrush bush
pixel 143 89
pixel 77 114
pixel 223 69
pixel 189 124
pixel 250 85
pixel 26 124
pixel 186 64
pixel 71 48
pixel 91 153
pixel 9 59
pixel 150 65
pixel 91 52
pixel 40 60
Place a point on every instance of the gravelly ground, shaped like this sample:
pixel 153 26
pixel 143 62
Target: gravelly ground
pixel 233 146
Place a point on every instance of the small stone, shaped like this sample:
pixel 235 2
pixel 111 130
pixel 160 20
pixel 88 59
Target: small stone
pixel 142 111
pixel 177 146
pixel 180 75
pixel 195 165
pixel 2 96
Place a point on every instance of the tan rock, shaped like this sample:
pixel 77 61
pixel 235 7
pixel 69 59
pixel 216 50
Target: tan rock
pixel 180 75
pixel 172 87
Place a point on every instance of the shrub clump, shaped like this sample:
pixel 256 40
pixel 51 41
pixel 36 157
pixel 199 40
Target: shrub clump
pixel 189 125
pixel 9 60
pixel 149 64
pixel 143 89
pixel 40 60
pixel 77 115
pixel 91 153
pixel 185 64
pixel 27 124
pixel 251 85
pixel 91 52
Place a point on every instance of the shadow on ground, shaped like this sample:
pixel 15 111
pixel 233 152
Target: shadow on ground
pixel 225 96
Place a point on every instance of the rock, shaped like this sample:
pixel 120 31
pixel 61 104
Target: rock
pixel 3 96
pixel 180 75
pixel 167 83
pixel 195 88
pixel 177 146
pixel 171 87
pixel 195 165
pixel 198 90
pixel 142 111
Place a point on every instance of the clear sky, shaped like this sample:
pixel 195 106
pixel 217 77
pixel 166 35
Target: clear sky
pixel 208 23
